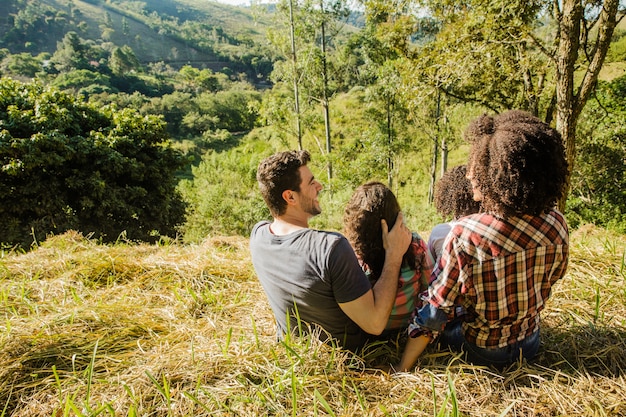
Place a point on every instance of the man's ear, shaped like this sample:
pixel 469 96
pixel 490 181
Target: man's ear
pixel 289 196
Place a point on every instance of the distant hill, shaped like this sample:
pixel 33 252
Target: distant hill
pixel 178 32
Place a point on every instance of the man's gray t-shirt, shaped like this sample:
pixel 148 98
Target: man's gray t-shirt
pixel 314 270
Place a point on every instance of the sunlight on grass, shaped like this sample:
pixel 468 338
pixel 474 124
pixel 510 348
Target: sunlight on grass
pixel 185 330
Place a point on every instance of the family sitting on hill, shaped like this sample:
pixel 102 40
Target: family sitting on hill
pixel 478 285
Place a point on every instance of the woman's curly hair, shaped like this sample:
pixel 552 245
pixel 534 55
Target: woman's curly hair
pixel 453 194
pixel 518 163
pixel 370 203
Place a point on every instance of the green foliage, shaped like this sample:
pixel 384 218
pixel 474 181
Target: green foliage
pixel 599 177
pixel 233 110
pixel 383 85
pixel 198 81
pixel 123 60
pixel 194 115
pixel 68 165
pixel 83 81
pixel 72 53
pixel 23 64
pixel 223 198
pixel 306 35
pixel 178 31
pixel 617 51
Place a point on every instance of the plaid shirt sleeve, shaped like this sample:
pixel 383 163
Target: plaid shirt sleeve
pixel 443 292
pixel 447 287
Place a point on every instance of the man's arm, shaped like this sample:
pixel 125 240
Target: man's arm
pixel 371 311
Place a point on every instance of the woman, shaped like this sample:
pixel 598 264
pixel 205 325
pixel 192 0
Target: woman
pixel 500 264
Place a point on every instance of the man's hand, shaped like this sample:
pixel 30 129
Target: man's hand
pixel 371 311
pixel 397 240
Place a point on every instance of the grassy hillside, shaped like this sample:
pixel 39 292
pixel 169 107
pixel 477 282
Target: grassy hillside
pixel 173 31
pixel 175 330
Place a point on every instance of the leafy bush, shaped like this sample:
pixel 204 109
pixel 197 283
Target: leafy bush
pixel 83 81
pixel 69 165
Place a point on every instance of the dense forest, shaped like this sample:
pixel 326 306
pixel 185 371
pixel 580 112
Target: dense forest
pixel 146 120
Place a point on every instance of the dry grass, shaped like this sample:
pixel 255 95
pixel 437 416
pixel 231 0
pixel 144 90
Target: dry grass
pixel 175 330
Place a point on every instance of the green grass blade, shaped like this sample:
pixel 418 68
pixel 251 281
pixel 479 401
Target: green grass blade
pixel 324 403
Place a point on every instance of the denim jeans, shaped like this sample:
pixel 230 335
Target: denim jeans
pixel 454 338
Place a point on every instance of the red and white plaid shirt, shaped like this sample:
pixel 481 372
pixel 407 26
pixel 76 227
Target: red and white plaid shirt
pixel 501 271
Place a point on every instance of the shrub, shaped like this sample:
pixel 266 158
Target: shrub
pixel 69 165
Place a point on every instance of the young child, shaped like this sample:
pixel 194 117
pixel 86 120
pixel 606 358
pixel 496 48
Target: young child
pixel 453 199
pixel 499 264
pixel 369 204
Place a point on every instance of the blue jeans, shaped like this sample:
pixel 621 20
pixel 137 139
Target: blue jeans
pixel 454 338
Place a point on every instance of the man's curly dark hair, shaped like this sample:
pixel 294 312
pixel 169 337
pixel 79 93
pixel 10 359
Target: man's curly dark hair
pixel 518 162
pixel 453 194
pixel 278 173
pixel 369 204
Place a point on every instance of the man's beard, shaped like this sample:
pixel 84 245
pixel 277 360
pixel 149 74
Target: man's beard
pixel 312 208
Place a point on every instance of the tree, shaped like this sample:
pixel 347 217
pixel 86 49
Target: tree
pixel 598 193
pixel 386 107
pixel 295 76
pixel 197 81
pixel 123 60
pixel 72 53
pixel 68 165
pixel 514 54
pixel 311 26
pixel 576 20
pixel 405 96
pixel 77 81
pixel 221 190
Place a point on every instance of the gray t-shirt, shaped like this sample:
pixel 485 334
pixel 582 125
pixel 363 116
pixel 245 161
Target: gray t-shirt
pixel 313 270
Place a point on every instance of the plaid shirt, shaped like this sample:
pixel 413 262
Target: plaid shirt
pixel 501 271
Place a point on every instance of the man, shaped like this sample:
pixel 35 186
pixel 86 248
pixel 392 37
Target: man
pixel 500 264
pixel 312 277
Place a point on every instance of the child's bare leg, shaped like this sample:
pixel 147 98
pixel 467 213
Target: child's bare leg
pixel 413 349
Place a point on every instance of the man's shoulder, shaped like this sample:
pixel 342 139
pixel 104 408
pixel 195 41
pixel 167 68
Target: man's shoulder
pixel 258 226
pixel 326 239
pixel 316 238
pixel 327 234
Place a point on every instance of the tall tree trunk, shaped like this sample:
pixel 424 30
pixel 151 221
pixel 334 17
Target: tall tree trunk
pixel 444 155
pixel 433 166
pixel 569 43
pixel 569 100
pixel 389 144
pixel 433 171
pixel 325 95
pixel 295 76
